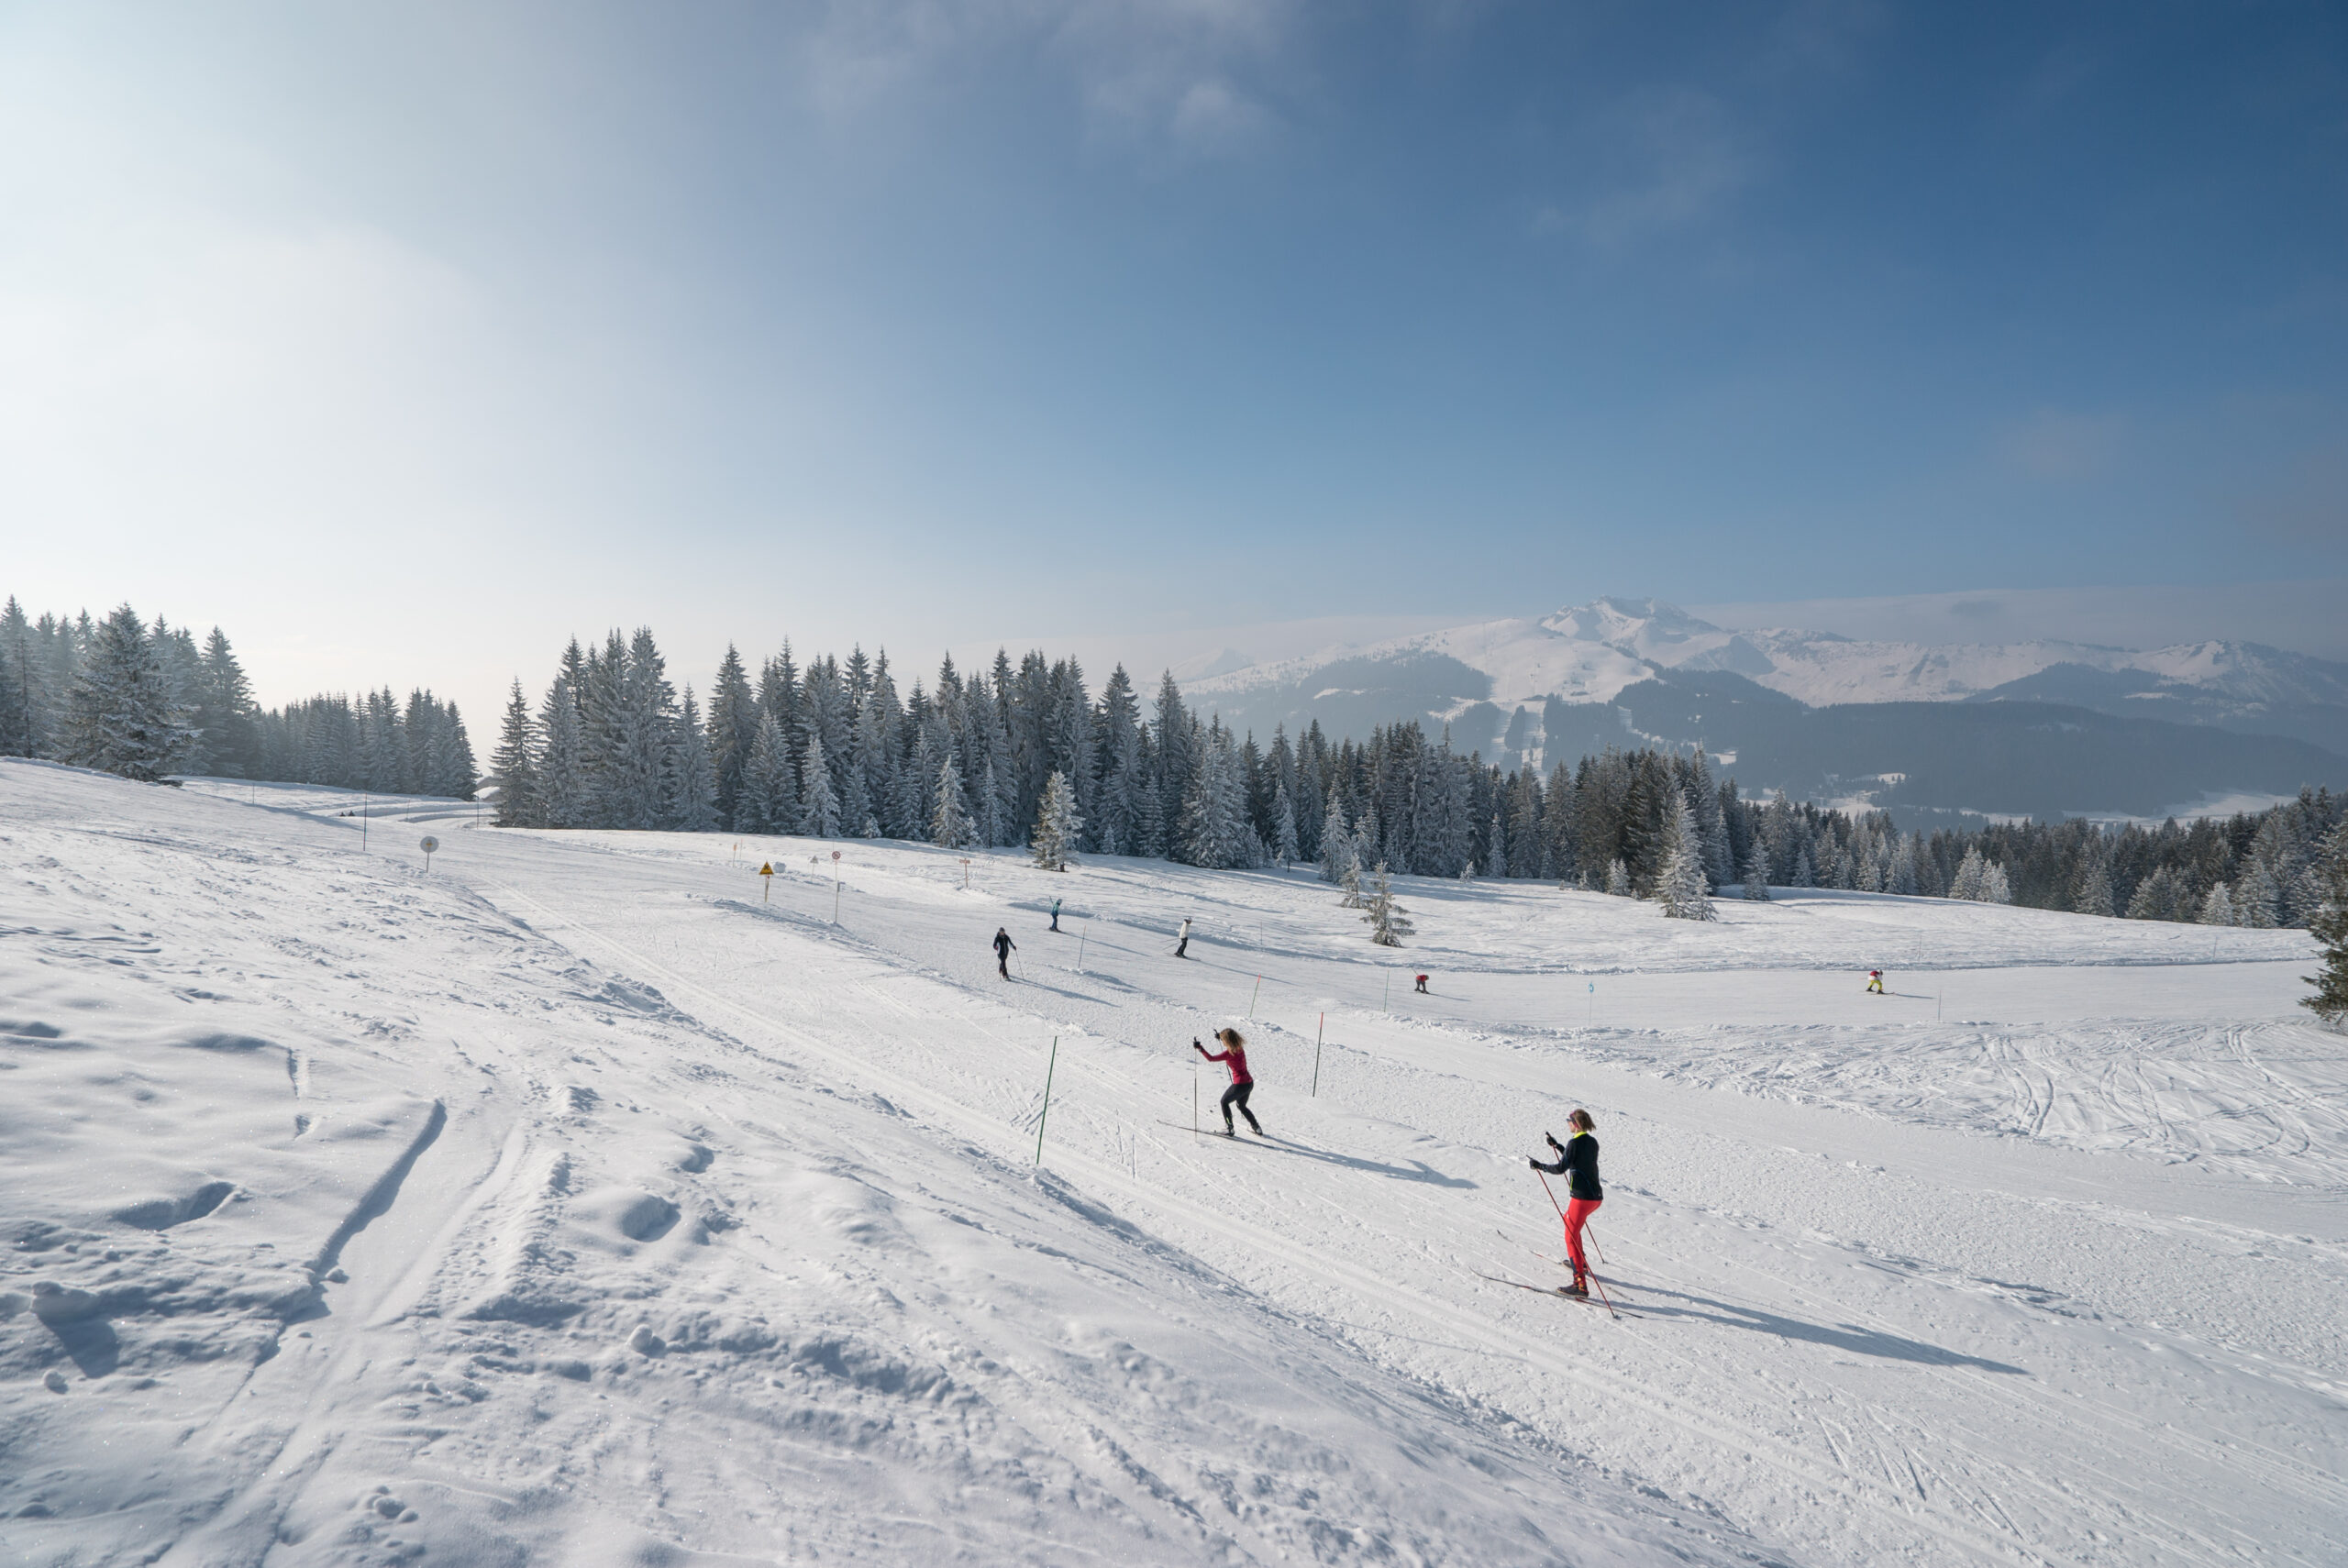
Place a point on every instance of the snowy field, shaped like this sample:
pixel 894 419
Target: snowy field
pixel 583 1201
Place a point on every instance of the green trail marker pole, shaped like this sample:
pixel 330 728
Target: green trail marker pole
pixel 1318 1030
pixel 1079 945
pixel 1046 1117
pixel 1254 994
pixel 1387 995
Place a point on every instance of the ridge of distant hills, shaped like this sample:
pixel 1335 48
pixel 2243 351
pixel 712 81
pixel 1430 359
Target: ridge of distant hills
pixel 2043 728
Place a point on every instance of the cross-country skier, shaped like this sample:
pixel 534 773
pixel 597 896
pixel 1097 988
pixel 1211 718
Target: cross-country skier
pixel 1003 948
pixel 1056 914
pixel 1578 1162
pixel 1234 1054
pixel 1182 944
pixel 1875 982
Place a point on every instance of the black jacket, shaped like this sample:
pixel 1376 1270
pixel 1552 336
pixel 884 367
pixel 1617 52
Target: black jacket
pixel 1579 1161
pixel 1003 944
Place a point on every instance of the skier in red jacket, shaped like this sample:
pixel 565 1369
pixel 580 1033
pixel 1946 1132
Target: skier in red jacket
pixel 1234 1056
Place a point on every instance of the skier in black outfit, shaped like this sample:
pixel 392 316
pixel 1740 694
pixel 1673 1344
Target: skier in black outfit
pixel 1003 948
pixel 1578 1162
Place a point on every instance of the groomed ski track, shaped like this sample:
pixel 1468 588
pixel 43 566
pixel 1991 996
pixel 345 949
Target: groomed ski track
pixel 1860 1330
pixel 1935 1483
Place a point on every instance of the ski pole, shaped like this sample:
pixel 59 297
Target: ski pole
pixel 1553 1194
pixel 1046 1117
pixel 1601 1296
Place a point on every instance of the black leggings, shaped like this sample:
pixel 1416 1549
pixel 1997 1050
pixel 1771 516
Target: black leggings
pixel 1237 1095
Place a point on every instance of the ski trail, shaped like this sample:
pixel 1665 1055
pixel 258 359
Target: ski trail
pixel 1704 1426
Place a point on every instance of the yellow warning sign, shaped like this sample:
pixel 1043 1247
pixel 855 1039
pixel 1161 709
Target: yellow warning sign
pixel 766 870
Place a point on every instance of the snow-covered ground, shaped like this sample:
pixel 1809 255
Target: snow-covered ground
pixel 583 1201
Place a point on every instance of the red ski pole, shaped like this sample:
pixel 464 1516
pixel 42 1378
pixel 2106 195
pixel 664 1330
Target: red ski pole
pixel 1552 1192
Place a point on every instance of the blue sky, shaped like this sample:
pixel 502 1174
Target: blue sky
pixel 457 329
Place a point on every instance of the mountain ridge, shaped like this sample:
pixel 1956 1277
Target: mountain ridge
pixel 1526 690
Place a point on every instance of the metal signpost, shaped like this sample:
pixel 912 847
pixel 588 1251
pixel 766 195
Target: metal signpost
pixel 766 879
pixel 431 844
pixel 835 887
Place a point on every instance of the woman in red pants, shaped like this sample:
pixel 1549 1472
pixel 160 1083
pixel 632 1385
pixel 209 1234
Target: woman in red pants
pixel 1578 1162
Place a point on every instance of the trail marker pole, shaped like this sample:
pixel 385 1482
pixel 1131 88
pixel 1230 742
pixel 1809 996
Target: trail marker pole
pixel 1589 1015
pixel 965 873
pixel 835 887
pixel 1079 944
pixel 766 879
pixel 1254 994
pixel 1318 1030
pixel 1387 996
pixel 1046 1117
pixel 364 804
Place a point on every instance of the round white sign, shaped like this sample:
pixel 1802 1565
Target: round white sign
pixel 430 844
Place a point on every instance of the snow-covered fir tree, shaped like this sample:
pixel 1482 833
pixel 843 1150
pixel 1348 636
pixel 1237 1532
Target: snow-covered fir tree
pixel 1968 882
pixel 693 806
pixel 1681 885
pixel 1388 922
pixel 2329 926
pixel 515 765
pixel 2091 886
pixel 1060 826
pixel 949 825
pixel 123 715
pixel 1284 847
pixel 1618 877
pixel 733 725
pixel 562 761
pixel 1336 840
pixel 2254 896
pixel 769 801
pixel 1214 809
pixel 2218 909
pixel 1756 872
pixel 819 803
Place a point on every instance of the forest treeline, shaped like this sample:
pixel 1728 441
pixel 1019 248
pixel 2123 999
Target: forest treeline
pixel 149 701
pixel 834 748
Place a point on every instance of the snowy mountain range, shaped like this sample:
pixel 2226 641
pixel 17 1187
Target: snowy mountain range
pixel 2071 726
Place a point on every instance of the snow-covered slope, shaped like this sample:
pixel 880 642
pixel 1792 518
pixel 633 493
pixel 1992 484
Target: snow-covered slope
pixel 586 1201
